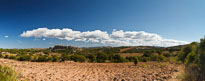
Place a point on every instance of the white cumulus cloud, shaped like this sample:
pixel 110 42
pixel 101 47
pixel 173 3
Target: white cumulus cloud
pixel 6 36
pixel 117 37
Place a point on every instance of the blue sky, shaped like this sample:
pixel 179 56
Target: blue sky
pixel 181 20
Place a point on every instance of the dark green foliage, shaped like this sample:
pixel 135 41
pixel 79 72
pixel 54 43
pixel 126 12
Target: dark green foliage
pixel 145 59
pixel 101 57
pixel 190 58
pixel 6 56
pixel 91 57
pixel 167 54
pixel 24 58
pixel 184 52
pixel 78 58
pixel 136 61
pixel 65 57
pixel 130 58
pixel 50 59
pixel 95 54
pixel 1 56
pixel 42 58
pixel 147 54
pixel 194 57
pixel 12 57
pixel 55 58
pixel 117 58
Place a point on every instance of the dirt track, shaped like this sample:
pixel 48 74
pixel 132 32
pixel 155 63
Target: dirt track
pixel 93 71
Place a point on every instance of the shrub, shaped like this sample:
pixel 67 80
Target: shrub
pixel 50 59
pixel 129 58
pixel 190 58
pixel 12 57
pixel 161 58
pixel 6 56
pixel 1 56
pixel 194 57
pixel 117 58
pixel 147 54
pixel 78 58
pixel 101 57
pixel 154 57
pixel 91 57
pixel 42 58
pixel 145 59
pixel 55 58
pixel 184 52
pixel 24 58
pixel 167 54
pixel 136 60
pixel 65 57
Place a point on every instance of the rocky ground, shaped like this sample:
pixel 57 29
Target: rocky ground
pixel 49 71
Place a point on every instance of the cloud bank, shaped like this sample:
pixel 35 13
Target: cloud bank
pixel 117 37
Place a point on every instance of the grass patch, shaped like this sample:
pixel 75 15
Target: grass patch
pixel 8 74
pixel 142 65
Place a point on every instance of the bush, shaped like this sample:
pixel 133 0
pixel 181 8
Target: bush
pixel 147 54
pixel 65 57
pixel 161 58
pixel 6 56
pixel 42 58
pixel 55 58
pixel 190 58
pixel 167 54
pixel 145 59
pixel 12 57
pixel 91 57
pixel 184 52
pixel 1 56
pixel 193 55
pixel 78 58
pixel 101 57
pixel 136 60
pixel 130 58
pixel 117 58
pixel 24 58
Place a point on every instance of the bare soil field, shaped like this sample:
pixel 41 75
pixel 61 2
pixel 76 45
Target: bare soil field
pixel 66 71
pixel 130 54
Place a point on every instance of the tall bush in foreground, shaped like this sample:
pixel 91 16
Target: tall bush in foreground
pixel 194 59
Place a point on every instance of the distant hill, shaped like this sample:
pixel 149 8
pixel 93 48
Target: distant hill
pixel 68 49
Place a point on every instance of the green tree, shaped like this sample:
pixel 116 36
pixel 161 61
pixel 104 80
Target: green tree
pixel 65 57
pixel 92 58
pixel 78 58
pixel 117 58
pixel 101 57
pixel 136 61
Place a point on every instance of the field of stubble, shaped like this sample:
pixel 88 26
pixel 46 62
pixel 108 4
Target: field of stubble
pixel 150 71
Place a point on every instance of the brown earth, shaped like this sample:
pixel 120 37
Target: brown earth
pixel 50 71
pixel 126 49
pixel 130 54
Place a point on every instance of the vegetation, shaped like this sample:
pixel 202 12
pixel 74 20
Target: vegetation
pixel 97 54
pixel 136 61
pixel 193 56
pixel 8 74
